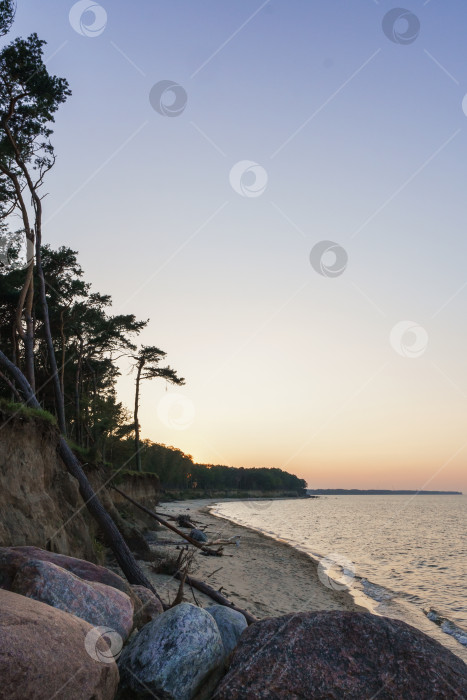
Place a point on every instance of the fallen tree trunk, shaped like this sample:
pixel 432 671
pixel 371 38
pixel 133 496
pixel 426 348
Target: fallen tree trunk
pixel 181 520
pixel 118 545
pixel 216 596
pixel 116 542
pixel 195 543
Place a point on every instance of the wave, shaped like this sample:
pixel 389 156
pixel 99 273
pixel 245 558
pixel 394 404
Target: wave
pixel 399 604
pixel 447 626
pixel 376 592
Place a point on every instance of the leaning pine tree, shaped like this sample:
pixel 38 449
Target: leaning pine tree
pixel 29 98
pixel 146 365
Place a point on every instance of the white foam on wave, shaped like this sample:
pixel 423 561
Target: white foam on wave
pixel 447 626
pixel 378 593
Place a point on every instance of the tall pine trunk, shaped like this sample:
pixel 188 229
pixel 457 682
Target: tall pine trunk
pixel 59 398
pixel 137 442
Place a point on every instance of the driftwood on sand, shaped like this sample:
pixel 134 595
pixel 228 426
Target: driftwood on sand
pixel 181 520
pixel 183 575
pixel 216 596
pixel 204 547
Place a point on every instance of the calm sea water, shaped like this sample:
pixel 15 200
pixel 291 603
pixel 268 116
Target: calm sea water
pixel 400 556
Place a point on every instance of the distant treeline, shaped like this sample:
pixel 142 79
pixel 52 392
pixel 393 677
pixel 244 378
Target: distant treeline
pixel 378 492
pixel 177 470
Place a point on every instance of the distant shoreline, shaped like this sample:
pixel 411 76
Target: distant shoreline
pixel 378 492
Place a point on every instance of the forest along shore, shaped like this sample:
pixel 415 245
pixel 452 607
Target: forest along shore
pixel 261 575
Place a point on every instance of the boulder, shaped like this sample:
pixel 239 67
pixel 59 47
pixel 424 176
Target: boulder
pixel 231 624
pixel 198 535
pixel 12 557
pixel 98 604
pixel 147 606
pixel 43 654
pixel 172 655
pixel 10 561
pixel 335 655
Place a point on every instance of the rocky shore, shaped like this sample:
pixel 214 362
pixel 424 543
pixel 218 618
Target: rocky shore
pixel 72 629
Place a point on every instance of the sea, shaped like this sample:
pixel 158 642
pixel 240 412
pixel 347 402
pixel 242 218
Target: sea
pixel 404 557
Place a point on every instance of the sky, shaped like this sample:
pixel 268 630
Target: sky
pixel 280 187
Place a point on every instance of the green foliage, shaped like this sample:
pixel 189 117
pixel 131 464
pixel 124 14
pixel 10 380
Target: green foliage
pixel 7 15
pixel 147 365
pixel 177 472
pixel 26 412
pixel 29 97
pixel 88 340
pixel 82 452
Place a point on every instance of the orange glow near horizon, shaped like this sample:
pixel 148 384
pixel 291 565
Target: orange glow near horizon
pixel 386 428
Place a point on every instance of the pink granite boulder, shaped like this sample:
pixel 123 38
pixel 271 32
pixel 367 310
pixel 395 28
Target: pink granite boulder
pixel 94 602
pixel 11 557
pixel 44 653
pixel 336 655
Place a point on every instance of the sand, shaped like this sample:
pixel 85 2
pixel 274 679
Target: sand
pixel 262 575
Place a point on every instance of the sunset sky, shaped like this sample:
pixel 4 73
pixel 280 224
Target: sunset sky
pixel 292 123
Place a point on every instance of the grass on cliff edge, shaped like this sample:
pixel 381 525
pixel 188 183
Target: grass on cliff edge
pixel 26 411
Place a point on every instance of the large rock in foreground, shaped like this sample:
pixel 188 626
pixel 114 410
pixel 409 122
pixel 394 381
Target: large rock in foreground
pixel 172 655
pixel 11 559
pixel 231 624
pixel 336 655
pixel 98 604
pixel 43 654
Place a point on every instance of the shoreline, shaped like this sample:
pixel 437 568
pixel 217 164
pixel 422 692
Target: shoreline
pixel 361 601
pixel 263 575
pixel 439 628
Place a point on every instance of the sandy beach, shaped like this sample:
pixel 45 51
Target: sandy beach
pixel 261 575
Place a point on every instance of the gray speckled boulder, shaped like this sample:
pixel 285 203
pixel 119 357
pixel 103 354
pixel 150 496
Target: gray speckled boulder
pixel 98 604
pixel 172 655
pixel 231 624
pixel 198 535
